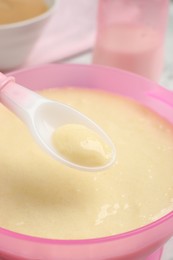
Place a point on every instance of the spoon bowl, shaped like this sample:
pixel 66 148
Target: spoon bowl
pixel 49 116
pixel 44 116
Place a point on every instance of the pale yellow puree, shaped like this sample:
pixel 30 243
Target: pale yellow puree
pixel 42 197
pixel 12 11
pixel 81 145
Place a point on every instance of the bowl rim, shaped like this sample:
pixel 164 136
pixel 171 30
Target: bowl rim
pixel 119 236
pixel 48 241
pixel 30 21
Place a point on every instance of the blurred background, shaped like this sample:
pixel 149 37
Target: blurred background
pixel 70 36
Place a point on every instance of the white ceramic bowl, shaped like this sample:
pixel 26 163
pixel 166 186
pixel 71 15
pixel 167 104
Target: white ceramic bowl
pixel 17 39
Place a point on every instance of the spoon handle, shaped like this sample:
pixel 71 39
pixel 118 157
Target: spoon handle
pixel 17 98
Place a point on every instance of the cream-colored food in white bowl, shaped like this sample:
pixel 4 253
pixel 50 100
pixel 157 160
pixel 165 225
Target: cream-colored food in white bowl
pixel 21 23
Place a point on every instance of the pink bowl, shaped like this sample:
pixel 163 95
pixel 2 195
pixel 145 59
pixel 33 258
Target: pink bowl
pixel 142 243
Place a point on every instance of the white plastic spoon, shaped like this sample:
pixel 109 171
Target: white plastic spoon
pixel 43 116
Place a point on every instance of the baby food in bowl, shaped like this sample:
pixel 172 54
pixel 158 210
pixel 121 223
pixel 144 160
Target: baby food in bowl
pixel 21 24
pixel 12 11
pixel 43 198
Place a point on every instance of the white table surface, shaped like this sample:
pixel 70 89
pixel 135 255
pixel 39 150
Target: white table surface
pixel 166 81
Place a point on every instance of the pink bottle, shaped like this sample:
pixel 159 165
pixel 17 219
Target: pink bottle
pixel 131 34
pixel 141 244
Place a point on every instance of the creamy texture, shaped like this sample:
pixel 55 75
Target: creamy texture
pixel 41 197
pixel 81 145
pixel 12 11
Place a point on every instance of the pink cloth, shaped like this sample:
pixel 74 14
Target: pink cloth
pixel 69 32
